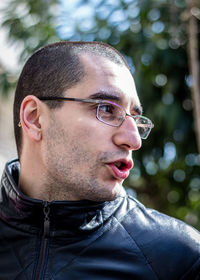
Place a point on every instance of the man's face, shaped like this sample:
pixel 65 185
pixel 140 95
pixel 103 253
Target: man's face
pixel 85 158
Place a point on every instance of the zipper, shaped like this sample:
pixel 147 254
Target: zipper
pixel 46 227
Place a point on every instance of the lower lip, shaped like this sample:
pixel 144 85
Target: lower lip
pixel 119 174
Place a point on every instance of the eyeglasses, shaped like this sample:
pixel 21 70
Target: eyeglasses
pixel 111 114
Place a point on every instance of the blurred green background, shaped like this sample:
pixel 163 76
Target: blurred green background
pixel 155 37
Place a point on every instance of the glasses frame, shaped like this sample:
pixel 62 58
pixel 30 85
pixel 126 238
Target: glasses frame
pixel 98 101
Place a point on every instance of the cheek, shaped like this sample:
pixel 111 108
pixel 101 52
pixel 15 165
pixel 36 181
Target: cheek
pixel 85 139
pixel 94 136
pixel 81 135
pixel 88 129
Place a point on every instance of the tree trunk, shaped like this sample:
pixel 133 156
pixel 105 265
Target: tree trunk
pixel 194 67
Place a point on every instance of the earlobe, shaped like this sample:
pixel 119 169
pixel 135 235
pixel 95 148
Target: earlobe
pixel 30 117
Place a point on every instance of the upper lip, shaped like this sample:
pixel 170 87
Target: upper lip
pixel 128 163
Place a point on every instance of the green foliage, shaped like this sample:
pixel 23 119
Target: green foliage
pixel 152 35
pixel 7 82
pixel 30 22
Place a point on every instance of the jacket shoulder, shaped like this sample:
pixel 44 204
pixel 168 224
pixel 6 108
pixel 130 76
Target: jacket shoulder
pixel 167 243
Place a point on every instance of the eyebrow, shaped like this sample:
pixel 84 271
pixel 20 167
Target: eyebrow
pixel 107 96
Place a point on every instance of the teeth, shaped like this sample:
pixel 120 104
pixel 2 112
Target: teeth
pixel 118 164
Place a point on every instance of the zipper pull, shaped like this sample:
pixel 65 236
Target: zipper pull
pixel 46 211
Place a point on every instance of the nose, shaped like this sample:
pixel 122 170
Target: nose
pixel 127 136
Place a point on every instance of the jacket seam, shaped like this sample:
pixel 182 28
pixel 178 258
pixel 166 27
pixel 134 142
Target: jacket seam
pixel 190 270
pixel 101 232
pixel 144 255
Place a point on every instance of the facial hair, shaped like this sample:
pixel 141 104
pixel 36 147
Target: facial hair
pixel 73 170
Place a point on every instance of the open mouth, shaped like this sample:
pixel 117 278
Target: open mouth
pixel 121 165
pixel 120 168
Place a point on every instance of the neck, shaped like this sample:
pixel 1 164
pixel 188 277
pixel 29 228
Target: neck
pixel 35 182
pixel 32 174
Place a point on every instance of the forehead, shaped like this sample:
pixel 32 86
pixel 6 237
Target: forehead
pixel 107 77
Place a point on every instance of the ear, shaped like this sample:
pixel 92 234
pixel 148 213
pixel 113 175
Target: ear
pixel 30 117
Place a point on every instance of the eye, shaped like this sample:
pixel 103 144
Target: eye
pixel 107 108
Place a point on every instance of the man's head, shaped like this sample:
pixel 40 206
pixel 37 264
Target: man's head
pixel 80 148
pixel 52 70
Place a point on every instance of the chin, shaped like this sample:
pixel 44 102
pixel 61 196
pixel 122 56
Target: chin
pixel 104 198
pixel 111 193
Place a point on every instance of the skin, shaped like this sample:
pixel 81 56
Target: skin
pixel 69 148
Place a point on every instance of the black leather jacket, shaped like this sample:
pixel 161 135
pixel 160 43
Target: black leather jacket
pixel 62 240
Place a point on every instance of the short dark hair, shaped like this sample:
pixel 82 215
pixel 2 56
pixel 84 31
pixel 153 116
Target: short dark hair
pixel 52 70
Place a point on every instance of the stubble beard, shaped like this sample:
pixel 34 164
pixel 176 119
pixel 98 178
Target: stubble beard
pixel 72 174
pixel 67 184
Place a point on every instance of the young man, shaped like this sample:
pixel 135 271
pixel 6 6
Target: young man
pixel 63 211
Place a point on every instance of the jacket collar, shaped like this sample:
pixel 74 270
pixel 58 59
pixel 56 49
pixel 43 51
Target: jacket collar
pixel 66 217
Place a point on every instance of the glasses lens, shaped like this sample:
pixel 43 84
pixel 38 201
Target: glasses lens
pixel 110 113
pixel 113 115
pixel 144 126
